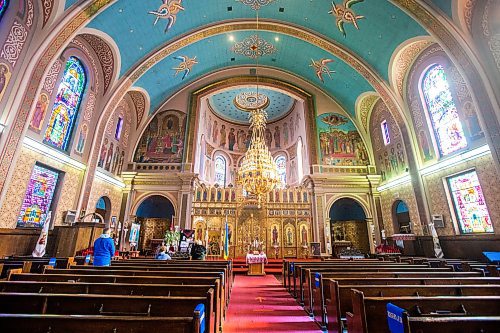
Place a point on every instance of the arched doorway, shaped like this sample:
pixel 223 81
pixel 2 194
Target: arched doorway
pixel 401 217
pixel 348 226
pixel 155 215
pixel 103 208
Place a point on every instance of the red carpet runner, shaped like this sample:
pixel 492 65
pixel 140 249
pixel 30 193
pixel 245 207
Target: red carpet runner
pixel 261 304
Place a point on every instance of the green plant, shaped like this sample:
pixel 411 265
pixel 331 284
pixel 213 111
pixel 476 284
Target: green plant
pixel 172 237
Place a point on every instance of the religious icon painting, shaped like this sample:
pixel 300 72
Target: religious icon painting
pixel 5 75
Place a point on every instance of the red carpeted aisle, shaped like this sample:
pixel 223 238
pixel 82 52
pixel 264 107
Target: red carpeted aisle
pixel 261 304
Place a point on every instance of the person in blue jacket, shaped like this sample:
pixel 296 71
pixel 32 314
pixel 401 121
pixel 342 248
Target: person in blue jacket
pixel 163 254
pixel 104 249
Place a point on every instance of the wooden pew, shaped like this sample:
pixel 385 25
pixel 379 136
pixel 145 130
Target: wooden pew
pixel 163 271
pixel 299 273
pixel 450 324
pixel 34 323
pixel 340 299
pixel 310 275
pixel 106 305
pixel 305 285
pixel 114 289
pixel 154 280
pixel 369 313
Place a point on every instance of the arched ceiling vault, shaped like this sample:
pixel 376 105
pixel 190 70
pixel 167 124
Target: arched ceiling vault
pixel 384 26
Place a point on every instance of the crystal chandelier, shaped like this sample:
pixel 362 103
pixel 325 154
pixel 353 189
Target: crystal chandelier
pixel 258 173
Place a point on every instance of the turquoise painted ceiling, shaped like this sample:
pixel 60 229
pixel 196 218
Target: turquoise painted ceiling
pixel 223 105
pixel 382 28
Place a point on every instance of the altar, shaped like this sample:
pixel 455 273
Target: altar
pixel 256 263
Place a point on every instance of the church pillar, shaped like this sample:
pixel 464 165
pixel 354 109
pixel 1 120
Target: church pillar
pixel 374 223
pixel 185 199
pixel 318 221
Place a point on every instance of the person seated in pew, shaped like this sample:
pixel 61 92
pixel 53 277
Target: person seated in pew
pixel 104 249
pixel 198 251
pixel 162 255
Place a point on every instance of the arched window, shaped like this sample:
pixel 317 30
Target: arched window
pixel 3 7
pixel 442 110
pixel 281 164
pixel 66 104
pixel 220 170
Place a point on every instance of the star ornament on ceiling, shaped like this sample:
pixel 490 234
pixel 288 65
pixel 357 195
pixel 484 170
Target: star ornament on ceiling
pixel 186 65
pixel 344 14
pixel 167 11
pixel 321 67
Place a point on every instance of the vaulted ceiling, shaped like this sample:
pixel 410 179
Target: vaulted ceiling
pixel 193 38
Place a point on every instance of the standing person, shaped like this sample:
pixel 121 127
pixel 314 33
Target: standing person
pixel 163 254
pixel 104 249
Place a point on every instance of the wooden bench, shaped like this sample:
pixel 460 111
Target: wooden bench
pixel 154 280
pixel 340 301
pixel 305 290
pixel 450 324
pixel 114 289
pixel 369 313
pixel 104 305
pixel 33 323
pixel 224 292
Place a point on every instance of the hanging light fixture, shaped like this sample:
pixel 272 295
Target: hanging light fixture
pixel 258 173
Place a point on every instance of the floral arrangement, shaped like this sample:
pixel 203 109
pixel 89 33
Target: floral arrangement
pixel 172 236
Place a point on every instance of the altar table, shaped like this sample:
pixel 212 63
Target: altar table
pixel 256 263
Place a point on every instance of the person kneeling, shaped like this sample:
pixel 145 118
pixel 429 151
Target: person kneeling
pixel 163 254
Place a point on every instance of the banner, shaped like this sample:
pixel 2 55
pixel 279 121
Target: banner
pixel 435 239
pixel 226 241
pixel 395 318
pixel 41 244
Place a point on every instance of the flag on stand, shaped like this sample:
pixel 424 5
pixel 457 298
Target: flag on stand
pixel 438 251
pixel 41 244
pixel 226 240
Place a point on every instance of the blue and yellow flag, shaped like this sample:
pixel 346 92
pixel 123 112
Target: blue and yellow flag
pixel 226 241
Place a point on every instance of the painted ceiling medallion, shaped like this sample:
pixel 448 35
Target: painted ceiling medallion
pixel 256 4
pixel 185 66
pixel 168 11
pixel 249 101
pixel 321 67
pixel 253 47
pixel 344 14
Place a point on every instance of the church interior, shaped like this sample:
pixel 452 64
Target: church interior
pixel 304 145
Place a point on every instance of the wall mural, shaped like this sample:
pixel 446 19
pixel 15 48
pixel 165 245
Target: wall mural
pixel 40 110
pixel 340 142
pixel 5 75
pixel 163 139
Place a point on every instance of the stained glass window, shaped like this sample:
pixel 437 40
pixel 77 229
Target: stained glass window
pixel 442 111
pixel 66 105
pixel 118 131
pixel 3 7
pixel 468 200
pixel 38 197
pixel 220 171
pixel 281 164
pixel 385 132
